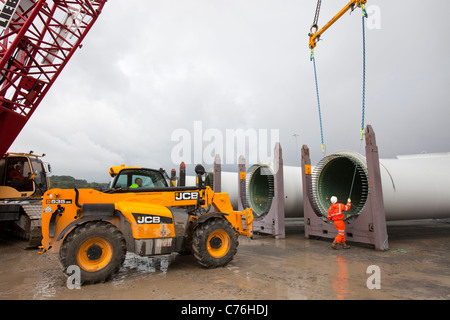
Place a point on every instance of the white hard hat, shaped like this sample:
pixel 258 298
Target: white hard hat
pixel 333 199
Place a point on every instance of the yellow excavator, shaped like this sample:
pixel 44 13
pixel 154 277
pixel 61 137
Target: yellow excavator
pixel 140 213
pixel 23 181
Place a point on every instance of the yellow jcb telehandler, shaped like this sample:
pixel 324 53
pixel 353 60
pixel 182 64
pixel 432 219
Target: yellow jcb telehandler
pixel 140 214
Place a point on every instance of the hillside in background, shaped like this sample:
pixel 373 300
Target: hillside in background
pixel 68 182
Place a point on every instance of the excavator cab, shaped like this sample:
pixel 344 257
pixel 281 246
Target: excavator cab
pixel 23 181
pixel 22 175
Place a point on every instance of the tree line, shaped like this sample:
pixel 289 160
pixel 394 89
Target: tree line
pixel 68 182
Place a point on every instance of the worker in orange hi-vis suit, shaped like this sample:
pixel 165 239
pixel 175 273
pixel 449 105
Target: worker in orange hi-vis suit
pixel 336 213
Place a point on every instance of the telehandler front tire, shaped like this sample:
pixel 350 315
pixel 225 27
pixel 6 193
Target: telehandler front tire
pixel 214 243
pixel 98 248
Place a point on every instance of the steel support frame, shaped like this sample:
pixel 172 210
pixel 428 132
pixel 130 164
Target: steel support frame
pixel 273 222
pixel 370 226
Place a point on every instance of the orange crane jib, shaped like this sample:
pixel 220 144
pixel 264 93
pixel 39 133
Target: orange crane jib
pixel 314 36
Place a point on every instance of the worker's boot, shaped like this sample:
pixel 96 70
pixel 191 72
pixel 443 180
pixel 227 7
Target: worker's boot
pixel 334 245
pixel 345 245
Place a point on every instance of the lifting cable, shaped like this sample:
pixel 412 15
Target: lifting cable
pixel 312 58
pixel 318 102
pixel 314 26
pixel 363 115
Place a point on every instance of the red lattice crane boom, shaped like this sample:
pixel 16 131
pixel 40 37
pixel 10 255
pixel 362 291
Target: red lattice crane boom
pixel 37 39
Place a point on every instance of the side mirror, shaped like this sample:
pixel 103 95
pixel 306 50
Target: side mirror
pixel 199 170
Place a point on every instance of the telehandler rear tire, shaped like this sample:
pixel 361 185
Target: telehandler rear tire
pixel 214 243
pixel 98 248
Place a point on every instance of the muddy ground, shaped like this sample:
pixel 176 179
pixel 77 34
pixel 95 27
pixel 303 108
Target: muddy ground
pixel 417 266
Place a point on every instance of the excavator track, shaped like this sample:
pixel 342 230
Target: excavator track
pixel 31 220
pixel 27 227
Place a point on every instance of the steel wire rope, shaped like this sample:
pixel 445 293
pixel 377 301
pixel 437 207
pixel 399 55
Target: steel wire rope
pixel 364 15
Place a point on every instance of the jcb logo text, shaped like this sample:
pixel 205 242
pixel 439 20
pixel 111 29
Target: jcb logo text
pixel 186 196
pixel 148 219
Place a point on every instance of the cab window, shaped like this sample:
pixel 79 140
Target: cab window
pixel 40 176
pixel 18 174
pixel 140 178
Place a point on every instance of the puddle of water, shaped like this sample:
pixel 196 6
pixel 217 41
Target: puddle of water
pixel 135 265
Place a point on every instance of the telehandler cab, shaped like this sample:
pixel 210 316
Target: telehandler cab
pixel 94 229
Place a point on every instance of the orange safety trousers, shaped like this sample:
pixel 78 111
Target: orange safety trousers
pixel 340 226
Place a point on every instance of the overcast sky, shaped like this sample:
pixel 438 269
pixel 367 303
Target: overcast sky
pixel 152 69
